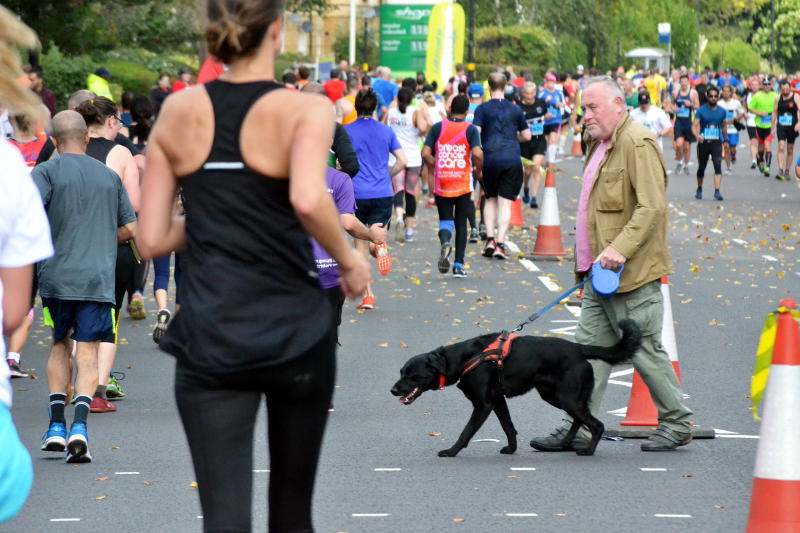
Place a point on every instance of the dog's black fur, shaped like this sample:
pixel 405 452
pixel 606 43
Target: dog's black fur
pixel 557 368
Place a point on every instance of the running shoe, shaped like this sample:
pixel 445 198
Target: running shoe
pixel 761 167
pixel 753 164
pixel 399 234
pixel 686 169
pixel 500 251
pixel 482 231
pixel 383 259
pixel 367 303
pixel 783 176
pixel 101 405
pixel 766 171
pixel 15 370
pixel 733 158
pixel 717 195
pixel 698 194
pixel 409 236
pixel 526 196
pixel 488 249
pixel 55 438
pixel 473 235
pixel 458 271
pixel 534 204
pixel 444 262
pixel 162 321
pixel 728 172
pixel 113 388
pixel 78 444
pixel 136 308
pixel 678 167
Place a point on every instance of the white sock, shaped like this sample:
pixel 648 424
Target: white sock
pixel 552 150
pixel 13 356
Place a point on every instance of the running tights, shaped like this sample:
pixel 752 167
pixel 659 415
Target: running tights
pixel 456 208
pixel 705 150
pixel 161 274
pixel 219 411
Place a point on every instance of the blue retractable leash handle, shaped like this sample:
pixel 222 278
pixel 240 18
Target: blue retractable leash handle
pixel 604 281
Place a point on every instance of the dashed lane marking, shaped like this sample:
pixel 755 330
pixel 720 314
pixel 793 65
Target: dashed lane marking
pixel 738 437
pixel 486 440
pixel 521 515
pixel 716 230
pixel 645 469
pixel 387 469
pixel 370 515
pixel 623 383
pixel 513 248
pixel 65 519
pixel 740 241
pixel 529 265
pixel 569 330
pixel 769 258
pixel 549 283
pixel 522 468
pixel 574 309
pixel 619 373
pixel 697 222
pixel 260 471
pixel 126 473
pixel 672 515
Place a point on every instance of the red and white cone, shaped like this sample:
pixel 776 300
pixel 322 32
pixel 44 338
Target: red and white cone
pixel 776 482
pixel 641 409
pixel 548 236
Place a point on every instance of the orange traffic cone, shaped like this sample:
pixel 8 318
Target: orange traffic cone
pixel 641 409
pixel 576 145
pixel 548 235
pixel 776 482
pixel 516 214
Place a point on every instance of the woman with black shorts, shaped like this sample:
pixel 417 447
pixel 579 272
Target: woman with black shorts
pixel 251 165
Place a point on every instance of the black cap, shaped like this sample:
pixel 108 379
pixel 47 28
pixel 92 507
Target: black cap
pixel 644 98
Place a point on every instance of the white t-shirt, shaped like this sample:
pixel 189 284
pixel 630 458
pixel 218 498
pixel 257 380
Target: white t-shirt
pixel 435 112
pixel 24 231
pixel 751 117
pixel 733 109
pixel 655 120
pixel 407 134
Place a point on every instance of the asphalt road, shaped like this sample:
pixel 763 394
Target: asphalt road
pixel 379 472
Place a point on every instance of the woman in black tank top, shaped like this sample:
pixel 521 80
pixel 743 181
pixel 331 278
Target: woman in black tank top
pixel 786 123
pixel 250 158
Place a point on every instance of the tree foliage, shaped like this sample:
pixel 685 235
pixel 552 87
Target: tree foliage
pixel 786 30
pixel 523 46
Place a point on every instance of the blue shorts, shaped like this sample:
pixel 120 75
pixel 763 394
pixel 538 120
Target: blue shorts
pixel 88 321
pixel 733 139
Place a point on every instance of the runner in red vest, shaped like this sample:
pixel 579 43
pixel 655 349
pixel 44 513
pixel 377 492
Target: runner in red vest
pixel 453 149
pixel 25 139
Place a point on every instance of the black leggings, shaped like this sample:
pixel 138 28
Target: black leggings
pixel 704 150
pixel 218 412
pixel 457 209
pixel 410 202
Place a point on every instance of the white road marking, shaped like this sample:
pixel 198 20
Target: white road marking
pixel 653 469
pixel 769 258
pixel 126 473
pixel 715 230
pixel 65 519
pixel 512 247
pixel 522 469
pixel 260 471
pixel 529 265
pixel 387 469
pixel 574 309
pixel 569 330
pixel 485 440
pixel 549 283
pixel 697 222
pixel 619 373
pixel 623 383
pixel 564 321
pixel 199 516
pixel 681 214
pixel 520 515
pixel 672 515
pixel 724 432
pixel 738 437
pixel 621 411
pixel 369 515
pixel 740 241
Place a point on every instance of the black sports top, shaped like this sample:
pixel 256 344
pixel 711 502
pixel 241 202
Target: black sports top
pixel 250 294
pixel 99 147
pixel 787 107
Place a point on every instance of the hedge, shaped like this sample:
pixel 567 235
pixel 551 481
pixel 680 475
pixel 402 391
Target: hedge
pixel 530 47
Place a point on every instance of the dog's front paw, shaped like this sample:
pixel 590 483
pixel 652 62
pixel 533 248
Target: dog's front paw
pixel 449 452
pixel 508 449
pixel 584 451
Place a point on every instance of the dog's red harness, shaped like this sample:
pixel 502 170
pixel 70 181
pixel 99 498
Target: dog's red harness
pixel 495 353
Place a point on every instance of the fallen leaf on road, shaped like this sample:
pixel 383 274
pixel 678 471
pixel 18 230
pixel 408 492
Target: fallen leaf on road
pixel 434 434
pixel 193 484
pixel 719 507
pixel 688 475
pixel 383 345
pixel 101 479
pixel 561 514
pixel 115 447
pixel 512 477
pixel 403 345
pixel 458 519
pixel 100 498
pixel 148 483
pixel 686 301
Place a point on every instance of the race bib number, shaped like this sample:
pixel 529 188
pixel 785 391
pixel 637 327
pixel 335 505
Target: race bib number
pixel 553 111
pixel 766 121
pixel 684 112
pixel 785 120
pixel 711 133
pixel 537 128
pixel 729 115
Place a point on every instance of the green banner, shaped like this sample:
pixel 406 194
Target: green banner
pixel 404 37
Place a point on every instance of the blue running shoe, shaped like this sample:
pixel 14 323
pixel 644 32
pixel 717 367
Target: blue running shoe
pixel 698 194
pixel 78 445
pixel 55 438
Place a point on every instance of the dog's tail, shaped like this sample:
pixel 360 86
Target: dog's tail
pixel 621 352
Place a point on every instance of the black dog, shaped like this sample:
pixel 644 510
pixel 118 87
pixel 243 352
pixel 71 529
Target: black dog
pixel 557 368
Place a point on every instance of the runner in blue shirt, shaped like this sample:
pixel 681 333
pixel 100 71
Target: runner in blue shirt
pixel 555 104
pixel 708 130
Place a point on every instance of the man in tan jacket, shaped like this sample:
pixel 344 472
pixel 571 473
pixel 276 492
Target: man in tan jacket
pixel 622 221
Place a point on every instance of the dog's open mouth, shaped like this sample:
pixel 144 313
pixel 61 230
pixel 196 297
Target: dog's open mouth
pixel 410 397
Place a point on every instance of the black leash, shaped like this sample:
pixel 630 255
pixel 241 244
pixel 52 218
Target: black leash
pixel 549 306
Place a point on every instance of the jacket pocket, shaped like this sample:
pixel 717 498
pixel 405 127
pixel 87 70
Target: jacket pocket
pixel 609 190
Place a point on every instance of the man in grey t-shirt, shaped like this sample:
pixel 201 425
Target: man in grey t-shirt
pixel 89 213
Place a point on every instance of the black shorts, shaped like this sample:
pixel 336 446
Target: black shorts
pixel 375 210
pixel 764 134
pixel 551 128
pixel 787 133
pixel 504 182
pixel 684 129
pixel 536 146
pixel 88 321
pixel 336 297
pixel 751 132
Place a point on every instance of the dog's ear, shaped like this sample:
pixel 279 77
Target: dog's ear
pixel 438 361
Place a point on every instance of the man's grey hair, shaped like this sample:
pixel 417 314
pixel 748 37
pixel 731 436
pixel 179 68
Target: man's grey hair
pixel 611 86
pixel 529 85
pixel 79 97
